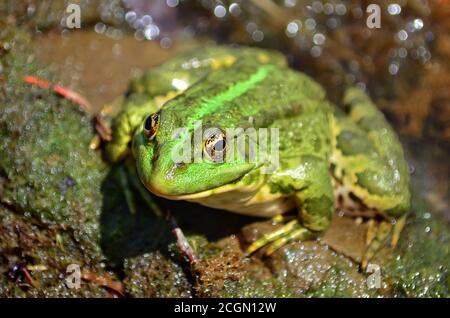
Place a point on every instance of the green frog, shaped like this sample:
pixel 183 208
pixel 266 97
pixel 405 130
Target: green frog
pixel 326 157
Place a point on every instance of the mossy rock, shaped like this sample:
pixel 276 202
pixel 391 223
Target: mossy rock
pixel 47 170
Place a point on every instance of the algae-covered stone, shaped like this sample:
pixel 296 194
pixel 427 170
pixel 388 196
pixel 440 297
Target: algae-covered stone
pixel 50 182
pixel 154 275
pixel 420 264
pixel 34 260
pixel 47 170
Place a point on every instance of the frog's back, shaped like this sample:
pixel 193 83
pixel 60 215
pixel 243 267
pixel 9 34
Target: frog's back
pixel 192 65
pixel 251 93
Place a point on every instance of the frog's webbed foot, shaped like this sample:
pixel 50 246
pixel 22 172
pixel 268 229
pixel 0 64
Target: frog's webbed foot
pixel 378 234
pixel 272 241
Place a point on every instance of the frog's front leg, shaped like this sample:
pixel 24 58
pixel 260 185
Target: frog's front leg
pixel 310 182
pixel 124 125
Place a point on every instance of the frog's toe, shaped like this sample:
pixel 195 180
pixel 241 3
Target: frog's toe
pixel 298 234
pixel 378 234
pixel 122 179
pixel 398 227
pixel 274 240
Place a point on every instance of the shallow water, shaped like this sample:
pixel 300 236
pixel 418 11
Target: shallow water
pixel 96 66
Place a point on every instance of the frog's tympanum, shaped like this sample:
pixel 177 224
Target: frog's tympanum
pixel 328 156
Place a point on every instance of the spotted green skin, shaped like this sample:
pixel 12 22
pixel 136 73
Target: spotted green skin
pixel 251 87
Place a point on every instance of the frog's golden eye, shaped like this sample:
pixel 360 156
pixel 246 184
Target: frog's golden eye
pixel 215 145
pixel 151 124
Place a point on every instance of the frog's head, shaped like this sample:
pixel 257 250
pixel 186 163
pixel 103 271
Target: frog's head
pixel 157 145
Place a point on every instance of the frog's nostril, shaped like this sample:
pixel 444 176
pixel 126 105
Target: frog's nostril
pixel 157 152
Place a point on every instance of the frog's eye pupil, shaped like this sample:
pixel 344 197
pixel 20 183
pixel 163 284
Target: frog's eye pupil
pixel 219 145
pixel 215 147
pixel 151 125
pixel 148 123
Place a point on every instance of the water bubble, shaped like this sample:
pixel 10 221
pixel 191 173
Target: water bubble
pixel 310 24
pixel 402 35
pixel 292 28
pixel 318 39
pixel 290 3
pixel 172 3
pixel 151 32
pixel 418 24
pixel 220 11
pixel 341 9
pixel 251 27
pixel 130 17
pixel 421 50
pixel 426 57
pixel 317 6
pixel 394 68
pixel 357 12
pixel 165 42
pixel 328 9
pixel 258 36
pixel 100 27
pixel 402 52
pixel 137 24
pixel 234 9
pixel 139 35
pixel 410 27
pixel 146 20
pixel 316 51
pixel 119 14
pixel 394 9
pixel 332 23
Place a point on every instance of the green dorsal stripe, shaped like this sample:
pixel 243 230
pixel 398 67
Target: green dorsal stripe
pixel 210 105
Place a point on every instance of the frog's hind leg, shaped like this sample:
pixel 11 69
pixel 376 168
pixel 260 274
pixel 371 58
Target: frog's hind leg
pixel 368 160
pixel 371 156
pixel 377 236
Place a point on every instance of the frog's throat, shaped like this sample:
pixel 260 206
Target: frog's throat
pixel 238 187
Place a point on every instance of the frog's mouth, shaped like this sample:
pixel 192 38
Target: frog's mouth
pixel 234 187
pixel 176 181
